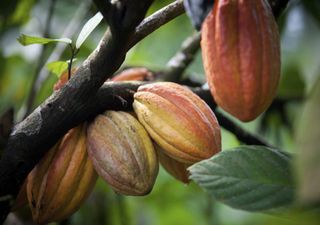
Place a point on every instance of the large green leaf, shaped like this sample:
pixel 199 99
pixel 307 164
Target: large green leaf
pixel 308 148
pixel 252 178
pixel 29 40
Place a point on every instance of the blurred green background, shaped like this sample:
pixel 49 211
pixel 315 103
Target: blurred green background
pixel 170 202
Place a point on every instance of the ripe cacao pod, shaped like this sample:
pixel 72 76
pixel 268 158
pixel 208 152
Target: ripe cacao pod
pixel 133 74
pixel 179 121
pixel 122 153
pixel 175 168
pixel 241 54
pixel 62 180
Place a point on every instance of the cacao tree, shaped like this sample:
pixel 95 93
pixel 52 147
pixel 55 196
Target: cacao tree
pixel 121 102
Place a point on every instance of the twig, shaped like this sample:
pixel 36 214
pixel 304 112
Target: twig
pixel 156 20
pixel 278 6
pixel 241 134
pixel 182 59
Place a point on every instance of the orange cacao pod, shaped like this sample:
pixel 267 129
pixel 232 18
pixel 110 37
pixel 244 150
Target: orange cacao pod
pixel 133 74
pixel 175 168
pixel 179 121
pixel 122 153
pixel 241 54
pixel 62 180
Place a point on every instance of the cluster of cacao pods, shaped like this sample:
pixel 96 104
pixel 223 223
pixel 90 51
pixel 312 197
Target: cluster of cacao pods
pixel 169 124
pixel 241 54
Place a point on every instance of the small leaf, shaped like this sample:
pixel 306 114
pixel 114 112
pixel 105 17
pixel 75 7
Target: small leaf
pixel 29 40
pixel 197 10
pixel 90 25
pixel 57 67
pixel 252 178
pixel 308 147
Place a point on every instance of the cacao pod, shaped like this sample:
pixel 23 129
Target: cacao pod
pixel 133 74
pixel 122 153
pixel 175 168
pixel 62 180
pixel 63 79
pixel 179 121
pixel 241 53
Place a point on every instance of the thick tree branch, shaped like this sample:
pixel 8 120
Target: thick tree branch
pixel 64 109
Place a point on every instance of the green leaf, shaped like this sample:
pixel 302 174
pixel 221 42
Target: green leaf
pixel 57 67
pixel 308 147
pixel 29 40
pixel 252 178
pixel 90 25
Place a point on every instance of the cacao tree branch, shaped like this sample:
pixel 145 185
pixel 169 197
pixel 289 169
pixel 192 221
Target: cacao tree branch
pixel 182 59
pixel 278 6
pixel 64 109
pixel 156 20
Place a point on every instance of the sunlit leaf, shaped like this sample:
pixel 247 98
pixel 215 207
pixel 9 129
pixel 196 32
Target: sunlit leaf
pixel 90 25
pixel 308 147
pixel 29 40
pixel 57 67
pixel 252 178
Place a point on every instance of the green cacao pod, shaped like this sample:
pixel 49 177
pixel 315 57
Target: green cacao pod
pixel 122 153
pixel 179 121
pixel 241 54
pixel 62 180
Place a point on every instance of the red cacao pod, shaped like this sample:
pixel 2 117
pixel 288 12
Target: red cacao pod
pixel 122 153
pixel 241 54
pixel 62 180
pixel 178 120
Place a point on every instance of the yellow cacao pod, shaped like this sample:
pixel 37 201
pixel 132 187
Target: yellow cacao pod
pixel 179 121
pixel 175 168
pixel 122 153
pixel 133 74
pixel 62 180
pixel 241 54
